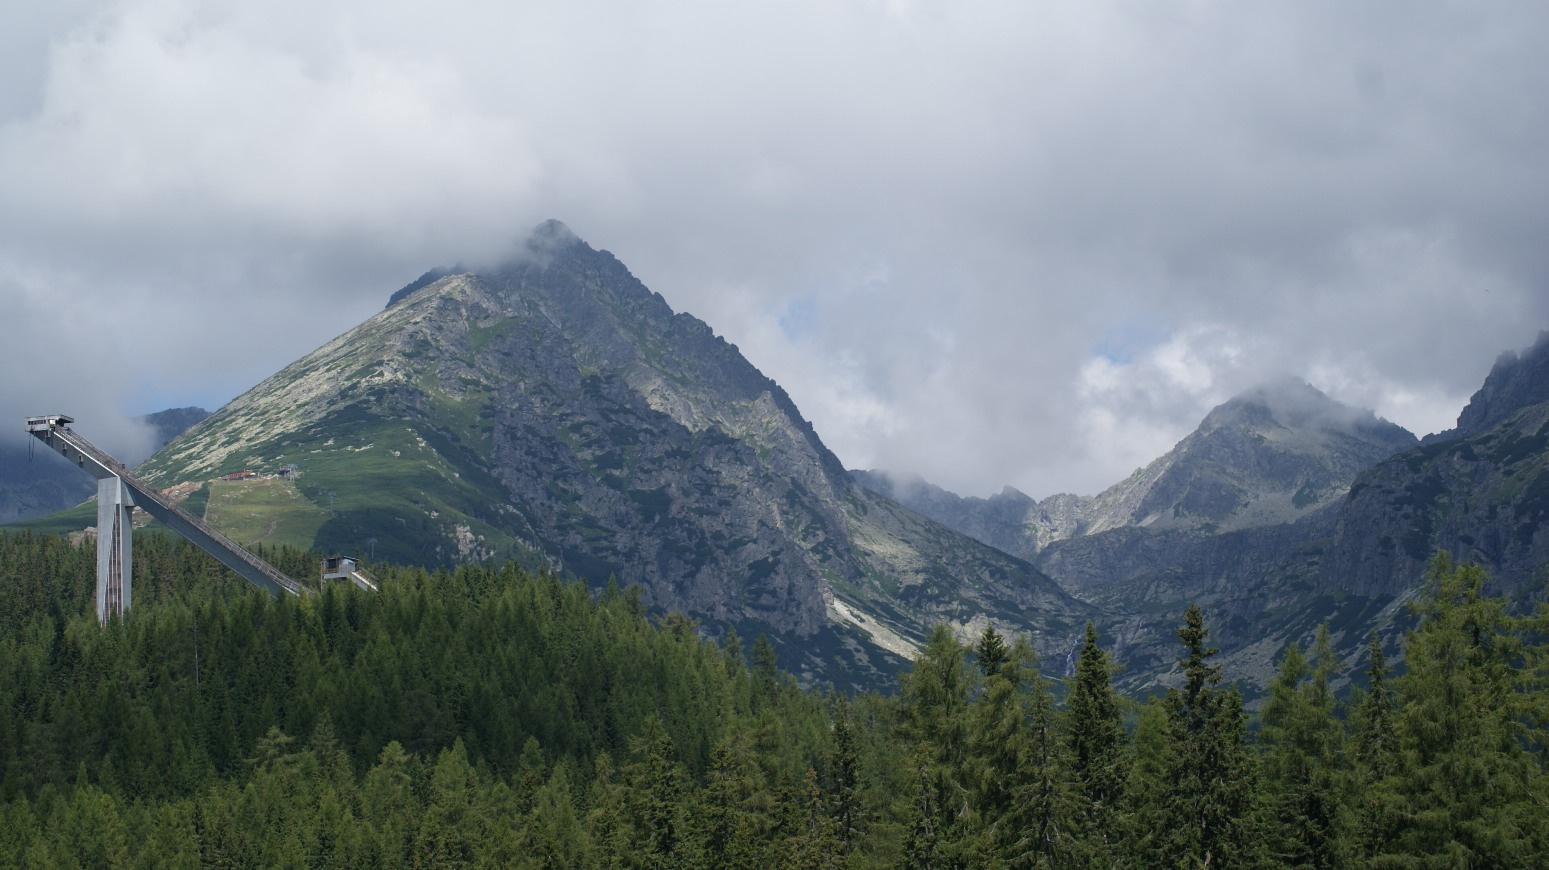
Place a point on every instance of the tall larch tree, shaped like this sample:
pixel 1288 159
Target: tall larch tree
pixel 934 711
pixel 1306 786
pixel 1466 792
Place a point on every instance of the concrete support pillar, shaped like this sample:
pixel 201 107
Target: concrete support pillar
pixel 115 509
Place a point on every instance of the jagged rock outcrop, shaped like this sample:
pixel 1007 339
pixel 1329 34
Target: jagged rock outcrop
pixel 1267 457
pixel 1481 493
pixel 1514 383
pixel 1236 517
pixel 1285 510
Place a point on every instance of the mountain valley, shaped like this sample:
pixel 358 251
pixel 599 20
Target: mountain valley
pixel 1283 511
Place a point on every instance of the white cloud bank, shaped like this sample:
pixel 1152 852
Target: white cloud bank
pixel 1010 243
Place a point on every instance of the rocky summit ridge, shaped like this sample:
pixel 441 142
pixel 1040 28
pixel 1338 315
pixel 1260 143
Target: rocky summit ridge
pixel 1268 456
pixel 553 409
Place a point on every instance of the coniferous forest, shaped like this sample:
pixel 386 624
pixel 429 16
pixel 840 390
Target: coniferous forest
pixel 489 717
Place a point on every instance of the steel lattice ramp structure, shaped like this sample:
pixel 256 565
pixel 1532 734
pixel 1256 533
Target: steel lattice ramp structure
pixel 118 493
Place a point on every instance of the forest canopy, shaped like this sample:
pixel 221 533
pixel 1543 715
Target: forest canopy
pixel 489 716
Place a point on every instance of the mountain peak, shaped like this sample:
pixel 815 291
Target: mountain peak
pixel 552 233
pixel 1267 456
pixel 1292 403
pixel 1516 382
pixel 552 408
pixel 546 240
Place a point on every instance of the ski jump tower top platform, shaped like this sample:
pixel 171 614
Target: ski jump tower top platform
pixel 118 493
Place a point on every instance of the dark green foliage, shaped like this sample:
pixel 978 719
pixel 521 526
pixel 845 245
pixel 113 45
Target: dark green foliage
pixel 1096 745
pixel 1203 816
pixel 845 775
pixel 934 714
pixel 451 717
pixel 488 717
pixel 1306 784
pixel 1038 826
pixel 990 652
pixel 1467 786
pixel 1375 749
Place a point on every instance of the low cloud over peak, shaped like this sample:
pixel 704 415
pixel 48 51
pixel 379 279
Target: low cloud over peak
pixel 990 242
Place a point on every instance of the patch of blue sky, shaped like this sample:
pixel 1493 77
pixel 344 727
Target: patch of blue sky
pixel 1124 342
pixel 147 398
pixel 800 318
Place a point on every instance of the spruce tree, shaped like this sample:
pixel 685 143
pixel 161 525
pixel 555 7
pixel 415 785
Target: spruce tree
pixel 1305 783
pixel 999 751
pixel 844 770
pixel 1373 717
pixel 1203 818
pixel 1375 751
pixel 554 837
pixel 814 847
pixel 1043 811
pixel 922 849
pixel 726 827
pixel 990 652
pixel 656 785
pixel 1148 785
pixel 609 825
pixel 1095 738
pixel 934 712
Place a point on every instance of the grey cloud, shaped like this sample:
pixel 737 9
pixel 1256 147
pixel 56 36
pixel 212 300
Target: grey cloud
pixel 972 198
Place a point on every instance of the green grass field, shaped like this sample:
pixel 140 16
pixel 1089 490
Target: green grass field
pixel 264 511
pixel 63 523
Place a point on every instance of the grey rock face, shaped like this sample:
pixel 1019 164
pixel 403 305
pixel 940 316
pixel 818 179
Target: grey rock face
pixel 1517 381
pixel 173 422
pixel 554 409
pixel 1267 457
pixel 1482 497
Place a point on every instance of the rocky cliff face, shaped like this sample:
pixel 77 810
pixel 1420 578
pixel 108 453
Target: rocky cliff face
pixel 1267 457
pixel 1285 510
pixel 1516 382
pixel 554 409
pixel 1002 521
pixel 1481 493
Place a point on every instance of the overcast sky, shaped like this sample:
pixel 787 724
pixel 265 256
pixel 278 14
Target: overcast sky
pixel 1025 243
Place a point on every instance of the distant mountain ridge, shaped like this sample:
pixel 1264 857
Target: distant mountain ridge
pixel 1269 456
pixel 37 483
pixel 554 410
pixel 1284 510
